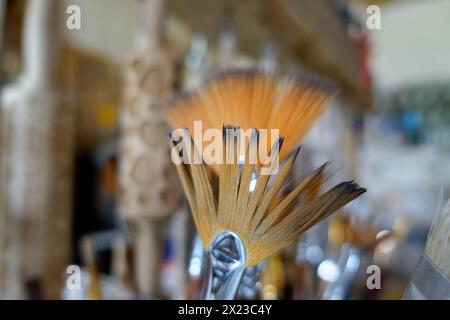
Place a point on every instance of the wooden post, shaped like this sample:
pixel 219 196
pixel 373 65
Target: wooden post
pixel 38 155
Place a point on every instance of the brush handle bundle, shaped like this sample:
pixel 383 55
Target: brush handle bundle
pixel 349 264
pixel 248 288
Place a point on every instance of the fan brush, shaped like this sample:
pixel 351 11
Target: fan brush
pixel 253 99
pixel 431 280
pixel 438 244
pixel 242 228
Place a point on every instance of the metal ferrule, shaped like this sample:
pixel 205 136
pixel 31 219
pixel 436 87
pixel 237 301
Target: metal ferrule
pixel 428 283
pixel 225 266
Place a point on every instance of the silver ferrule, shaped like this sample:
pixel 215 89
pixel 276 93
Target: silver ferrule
pixel 428 283
pixel 225 266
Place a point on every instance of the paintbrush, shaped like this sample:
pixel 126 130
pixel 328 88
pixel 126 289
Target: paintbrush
pixel 431 280
pixel 240 228
pixel 255 99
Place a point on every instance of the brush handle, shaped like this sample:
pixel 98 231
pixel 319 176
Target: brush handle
pixel 178 236
pixel 428 283
pixel 148 235
pixel 349 264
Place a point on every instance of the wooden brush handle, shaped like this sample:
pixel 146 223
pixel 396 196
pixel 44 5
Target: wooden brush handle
pixel 149 241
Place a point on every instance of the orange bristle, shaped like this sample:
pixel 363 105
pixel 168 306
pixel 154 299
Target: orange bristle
pixel 255 99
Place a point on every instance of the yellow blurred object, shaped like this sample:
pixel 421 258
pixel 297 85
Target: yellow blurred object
pixel 336 232
pixel 341 231
pixel 107 116
pixel 273 279
pixel 88 256
pixel 94 292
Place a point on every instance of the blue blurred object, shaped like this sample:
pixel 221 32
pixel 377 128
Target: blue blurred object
pixel 411 126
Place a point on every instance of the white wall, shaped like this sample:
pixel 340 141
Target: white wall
pixel 413 45
pixel 108 27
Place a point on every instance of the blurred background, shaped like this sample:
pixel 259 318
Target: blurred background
pixel 85 175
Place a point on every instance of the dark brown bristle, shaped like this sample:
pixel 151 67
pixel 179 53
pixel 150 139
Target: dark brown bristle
pixel 265 221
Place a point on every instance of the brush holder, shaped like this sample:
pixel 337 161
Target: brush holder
pixel 249 288
pixel 428 283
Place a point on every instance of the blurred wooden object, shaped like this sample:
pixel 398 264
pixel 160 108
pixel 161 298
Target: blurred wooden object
pixel 149 189
pixel 38 144
pixel 94 84
pixel 320 41
pixel 2 20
